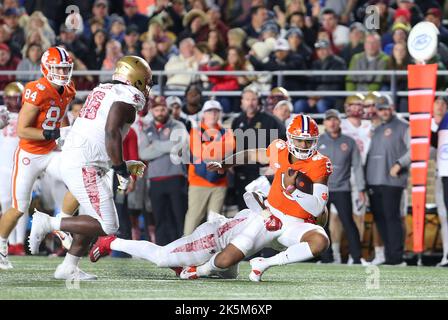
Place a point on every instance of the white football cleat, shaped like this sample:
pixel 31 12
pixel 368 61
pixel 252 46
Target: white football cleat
pixel 378 260
pixel 40 228
pixel 4 261
pixel 71 272
pixel 258 266
pixel 65 237
pixel 189 273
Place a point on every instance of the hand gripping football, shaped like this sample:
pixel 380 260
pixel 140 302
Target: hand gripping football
pixel 303 182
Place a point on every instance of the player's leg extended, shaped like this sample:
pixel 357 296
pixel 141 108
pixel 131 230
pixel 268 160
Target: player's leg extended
pixel 303 241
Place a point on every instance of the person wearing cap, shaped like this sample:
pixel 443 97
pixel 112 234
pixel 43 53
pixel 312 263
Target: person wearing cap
pixel 371 59
pixel 434 15
pixel 270 29
pixel 11 18
pixel 283 59
pixel 7 63
pixel 175 107
pixel 356 42
pixel 399 34
pixel 298 45
pixel 117 27
pixel 195 23
pixel 168 189
pixel 252 121
pixel 133 17
pixel 100 12
pixel 132 44
pixel 416 13
pixel 387 174
pixel 325 61
pixel 346 158
pixel 209 142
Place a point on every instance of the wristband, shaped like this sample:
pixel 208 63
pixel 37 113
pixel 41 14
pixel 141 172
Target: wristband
pixel 122 170
pixel 51 134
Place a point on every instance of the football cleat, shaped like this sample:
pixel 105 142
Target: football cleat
pixel 189 273
pixel 71 272
pixel 259 266
pixel 65 237
pixel 40 228
pixel 16 250
pixel 101 248
pixel 4 261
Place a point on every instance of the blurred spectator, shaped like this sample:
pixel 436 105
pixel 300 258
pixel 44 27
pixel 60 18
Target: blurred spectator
pixel 175 108
pixel 215 22
pixel 207 190
pixel 258 16
pixel 133 17
pixel 236 12
pixel 168 191
pixel 371 59
pixel 416 14
pixel 95 25
pixel 195 23
pixel 216 44
pixel 7 63
pixel 270 29
pixel 38 21
pixel 325 61
pixel 259 125
pixel 297 20
pixel 356 44
pixel 434 15
pixel 283 59
pixel 282 111
pixel 11 18
pixel 236 61
pixel 400 32
pixel 298 45
pixel 236 37
pixel 339 34
pixel 100 12
pixel 400 60
pixel 70 40
pixel 9 4
pixel 182 62
pixel 342 8
pixel 132 45
pixel 276 95
pixel 113 54
pixel 51 10
pixel 97 51
pixel 198 5
pixel 155 31
pixel 84 82
pixel 176 12
pixel 387 176
pixel 36 36
pixel 30 62
pixel 149 53
pixel 193 104
pixel 117 28
pixel 166 47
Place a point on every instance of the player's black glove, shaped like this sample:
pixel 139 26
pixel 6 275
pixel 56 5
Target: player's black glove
pixel 52 134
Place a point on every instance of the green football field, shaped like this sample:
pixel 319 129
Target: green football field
pixel 31 278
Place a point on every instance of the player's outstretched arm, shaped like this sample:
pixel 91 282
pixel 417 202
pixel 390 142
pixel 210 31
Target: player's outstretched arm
pixel 25 125
pixel 240 158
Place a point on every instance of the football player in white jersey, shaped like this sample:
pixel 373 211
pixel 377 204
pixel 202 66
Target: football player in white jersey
pixel 9 141
pixel 360 130
pixel 92 147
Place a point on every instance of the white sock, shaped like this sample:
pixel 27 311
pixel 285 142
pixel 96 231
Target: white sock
pixel 379 252
pixel 207 268
pixel 55 223
pixel 65 215
pixel 71 260
pixel 444 231
pixel 296 253
pixel 12 237
pixel 141 249
pixel 3 246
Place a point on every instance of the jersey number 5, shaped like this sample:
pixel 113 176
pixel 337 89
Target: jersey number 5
pixel 52 118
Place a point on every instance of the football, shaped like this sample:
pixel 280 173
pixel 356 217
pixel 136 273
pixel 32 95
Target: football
pixel 303 182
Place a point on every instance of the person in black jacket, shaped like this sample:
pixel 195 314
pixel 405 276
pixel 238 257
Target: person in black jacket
pixel 283 59
pixel 325 61
pixel 253 128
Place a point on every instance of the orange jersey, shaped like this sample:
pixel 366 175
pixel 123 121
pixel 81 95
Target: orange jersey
pixel 316 167
pixel 52 105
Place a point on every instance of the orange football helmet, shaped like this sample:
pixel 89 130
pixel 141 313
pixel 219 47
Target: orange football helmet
pixel 57 66
pixel 301 129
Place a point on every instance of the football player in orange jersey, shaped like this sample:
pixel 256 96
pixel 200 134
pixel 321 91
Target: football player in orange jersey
pixel 291 209
pixel 44 104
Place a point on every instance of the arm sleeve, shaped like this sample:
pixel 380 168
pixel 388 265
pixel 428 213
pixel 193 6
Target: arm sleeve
pixel 130 142
pixel 314 204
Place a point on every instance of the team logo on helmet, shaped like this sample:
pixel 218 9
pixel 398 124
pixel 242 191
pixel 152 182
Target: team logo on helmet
pixel 302 137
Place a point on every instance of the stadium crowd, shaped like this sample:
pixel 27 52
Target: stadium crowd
pixel 207 35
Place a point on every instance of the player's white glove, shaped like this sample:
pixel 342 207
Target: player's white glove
pixel 136 168
pixel 4 117
pixel 123 176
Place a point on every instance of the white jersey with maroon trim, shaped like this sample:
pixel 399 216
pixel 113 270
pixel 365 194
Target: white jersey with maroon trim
pixel 88 134
pixel 361 134
pixel 9 142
